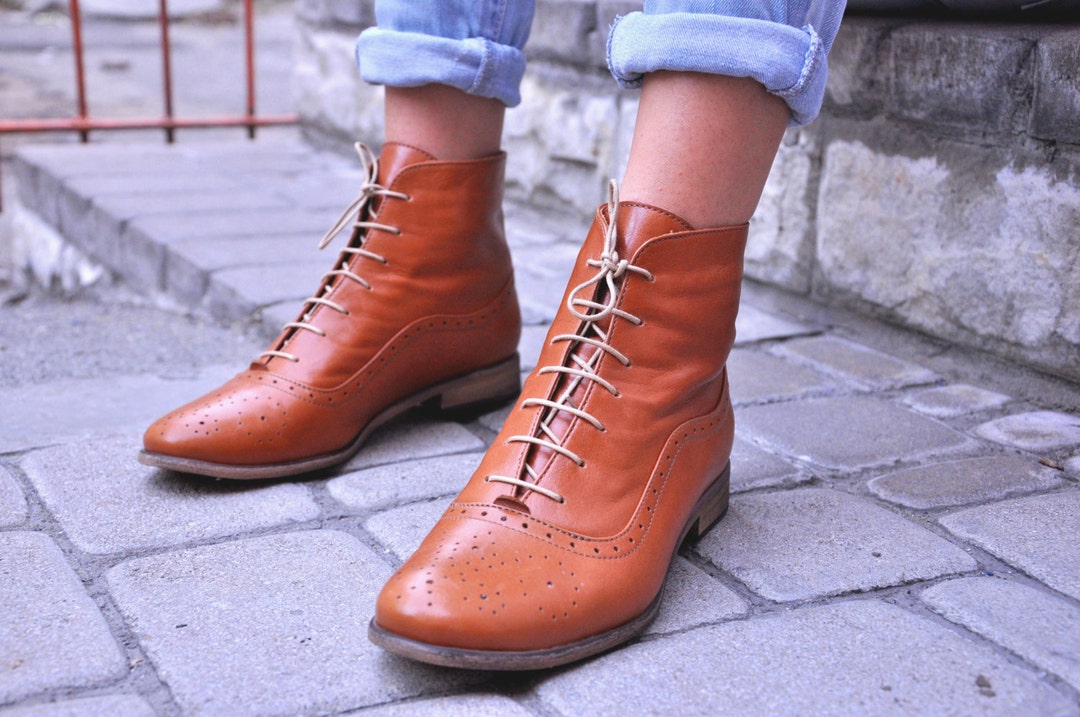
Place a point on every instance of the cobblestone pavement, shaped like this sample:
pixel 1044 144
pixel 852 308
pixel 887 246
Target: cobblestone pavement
pixel 901 539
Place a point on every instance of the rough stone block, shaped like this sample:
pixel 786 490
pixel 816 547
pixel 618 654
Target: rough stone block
pixel 944 224
pixel 53 635
pixel 330 96
pixel 855 657
pixel 752 468
pixel 413 438
pixel 560 31
pixel 1037 431
pixel 955 400
pixel 971 480
pixel 968 78
pixel 221 623
pixel 494 421
pixel 858 364
pixel 107 706
pixel 780 247
pixel 108 503
pixel 757 377
pixel 1041 627
pixel 808 543
pixel 561 139
pixel 76 409
pixel 1072 466
pixel 1056 103
pixel 858 67
pixel 13 509
pixel 386 485
pixel 849 431
pixel 1036 534
pixel 753 325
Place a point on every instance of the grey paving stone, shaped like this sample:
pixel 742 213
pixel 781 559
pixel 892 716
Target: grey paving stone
pixel 51 633
pixel 413 438
pixel 693 598
pixel 1072 466
pixel 530 345
pixel 752 467
pixel 753 325
pixel 108 706
pixel 269 284
pixel 275 625
pixel 13 509
pixel 1036 534
pixel 756 376
pixel 972 480
pixel 1036 431
pixel 471 705
pixel 859 364
pixel 1040 627
pixel 955 400
pixel 853 658
pixel 402 529
pixel 109 503
pixel 181 180
pixel 382 486
pixel 808 543
pixel 849 431
pixel 494 420
pixel 76 409
pixel 168 228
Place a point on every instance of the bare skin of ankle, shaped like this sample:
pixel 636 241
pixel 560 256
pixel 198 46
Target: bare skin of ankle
pixel 444 121
pixel 703 146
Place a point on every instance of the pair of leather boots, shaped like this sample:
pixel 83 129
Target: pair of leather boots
pixel 615 452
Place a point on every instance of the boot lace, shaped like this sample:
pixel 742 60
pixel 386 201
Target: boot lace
pixel 352 218
pixel 603 285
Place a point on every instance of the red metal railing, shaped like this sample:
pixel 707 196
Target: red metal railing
pixel 83 123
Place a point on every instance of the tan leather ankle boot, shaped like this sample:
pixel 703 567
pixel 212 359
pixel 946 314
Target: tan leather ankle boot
pixel 420 306
pixel 617 450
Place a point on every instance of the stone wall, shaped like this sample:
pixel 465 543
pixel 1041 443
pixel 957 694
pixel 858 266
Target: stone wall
pixel 939 189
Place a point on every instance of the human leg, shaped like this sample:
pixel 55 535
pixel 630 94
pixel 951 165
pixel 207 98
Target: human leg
pixel 419 306
pixel 618 447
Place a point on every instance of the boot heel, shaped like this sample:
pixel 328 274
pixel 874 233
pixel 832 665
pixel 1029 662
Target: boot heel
pixel 494 384
pixel 712 506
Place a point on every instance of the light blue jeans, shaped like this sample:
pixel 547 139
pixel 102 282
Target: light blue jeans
pixel 476 45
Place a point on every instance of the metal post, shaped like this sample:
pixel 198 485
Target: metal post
pixel 166 66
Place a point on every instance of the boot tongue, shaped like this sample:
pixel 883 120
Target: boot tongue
pixel 396 157
pixel 637 223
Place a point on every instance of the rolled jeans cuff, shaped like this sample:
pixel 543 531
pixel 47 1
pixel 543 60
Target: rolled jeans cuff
pixel 475 65
pixel 789 61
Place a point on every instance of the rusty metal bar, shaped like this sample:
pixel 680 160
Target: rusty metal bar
pixel 80 71
pixel 166 66
pixel 249 60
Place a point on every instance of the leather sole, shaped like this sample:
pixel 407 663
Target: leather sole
pixel 709 510
pixel 495 384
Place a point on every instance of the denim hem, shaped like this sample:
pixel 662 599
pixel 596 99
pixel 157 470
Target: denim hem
pixel 789 62
pixel 474 65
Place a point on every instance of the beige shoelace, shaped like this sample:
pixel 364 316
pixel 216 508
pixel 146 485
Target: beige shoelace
pixel 350 218
pixel 610 269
